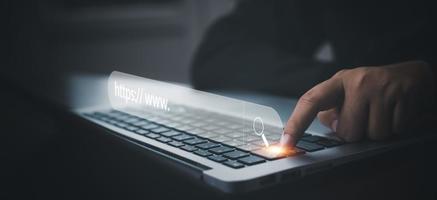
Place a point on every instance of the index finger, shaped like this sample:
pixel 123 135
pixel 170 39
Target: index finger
pixel 321 97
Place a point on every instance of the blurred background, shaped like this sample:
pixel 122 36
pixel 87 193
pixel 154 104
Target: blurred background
pixel 151 38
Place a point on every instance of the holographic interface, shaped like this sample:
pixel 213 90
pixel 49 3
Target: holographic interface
pixel 238 123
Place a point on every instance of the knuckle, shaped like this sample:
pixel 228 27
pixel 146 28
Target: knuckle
pixel 382 79
pixel 361 78
pixel 311 97
pixel 340 73
pixel 372 79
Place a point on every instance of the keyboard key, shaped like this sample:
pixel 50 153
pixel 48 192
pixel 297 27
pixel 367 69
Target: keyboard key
pixel 202 153
pixel 182 137
pixel 188 148
pixel 160 130
pixel 195 141
pixel 262 144
pixel 221 149
pixel 199 124
pixel 235 154
pixel 153 135
pixel 132 120
pixel 131 128
pixel 233 164
pixel 235 134
pixel 153 118
pixel 313 138
pixel 222 131
pixel 162 121
pixel 112 113
pixel 207 145
pixel 306 135
pixel 222 123
pixel 251 160
pixel 210 127
pixel 187 121
pixel 184 128
pixel 113 122
pixel 197 131
pixel 217 158
pixel 176 118
pixel 149 126
pixel 122 117
pixel 121 124
pixel 249 138
pixel 105 119
pixel 249 147
pixel 140 123
pixel 210 120
pixel 208 135
pixel 98 115
pixel 142 132
pixel 271 154
pixel 221 139
pixel 235 126
pixel 164 139
pixel 329 143
pixel 176 143
pixel 307 146
pixel 234 143
pixel 171 133
pixel 172 124
pixel 272 136
pixel 94 115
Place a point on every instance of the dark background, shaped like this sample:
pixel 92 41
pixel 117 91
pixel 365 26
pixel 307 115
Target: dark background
pixel 47 154
pixel 43 153
pixel 151 38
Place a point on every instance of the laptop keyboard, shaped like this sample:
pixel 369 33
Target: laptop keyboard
pixel 208 135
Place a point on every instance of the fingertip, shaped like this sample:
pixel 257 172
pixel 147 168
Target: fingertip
pixel 287 140
pixel 284 139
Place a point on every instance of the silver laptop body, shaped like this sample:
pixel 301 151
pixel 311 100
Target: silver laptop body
pixel 201 164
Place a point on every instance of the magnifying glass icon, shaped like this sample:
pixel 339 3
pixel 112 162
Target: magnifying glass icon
pixel 258 122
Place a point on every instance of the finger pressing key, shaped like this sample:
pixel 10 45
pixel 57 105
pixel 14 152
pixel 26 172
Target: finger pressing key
pixel 321 97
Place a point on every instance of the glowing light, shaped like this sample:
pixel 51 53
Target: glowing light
pixel 276 150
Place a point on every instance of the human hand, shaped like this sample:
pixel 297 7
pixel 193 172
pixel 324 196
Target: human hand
pixel 372 102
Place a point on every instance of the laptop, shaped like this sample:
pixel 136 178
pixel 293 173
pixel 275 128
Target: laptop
pixel 229 144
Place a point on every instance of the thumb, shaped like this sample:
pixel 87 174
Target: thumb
pixel 329 118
